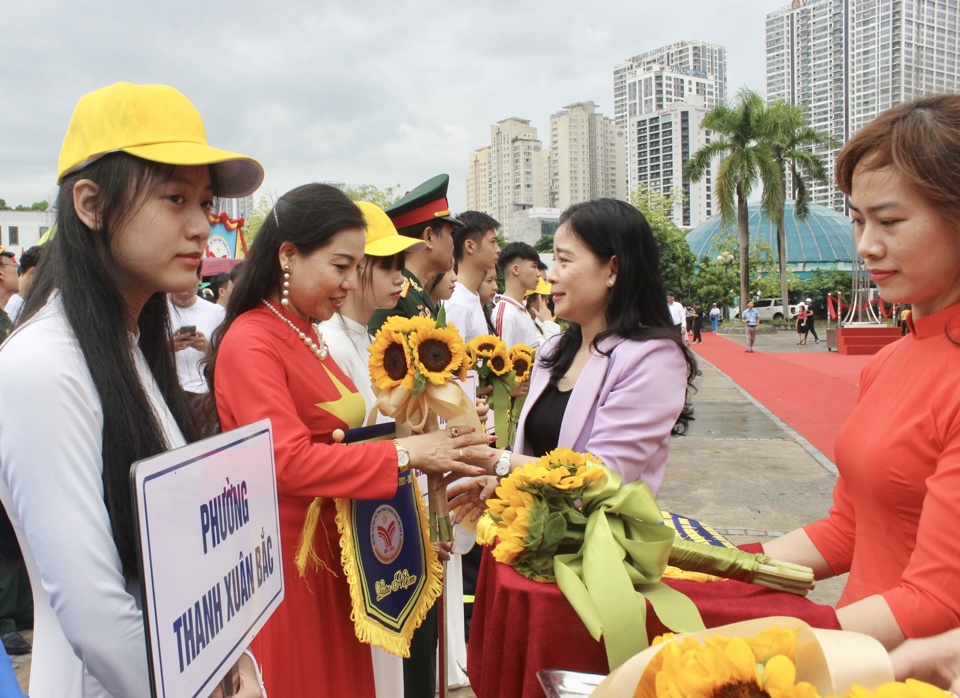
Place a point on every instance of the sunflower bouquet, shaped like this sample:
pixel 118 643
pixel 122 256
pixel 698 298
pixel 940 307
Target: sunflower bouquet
pixel 504 369
pixel 764 658
pixel 413 363
pixel 568 518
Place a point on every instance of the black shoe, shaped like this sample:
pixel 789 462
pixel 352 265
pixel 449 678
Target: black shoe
pixel 14 644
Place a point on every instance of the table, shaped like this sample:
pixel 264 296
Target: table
pixel 521 626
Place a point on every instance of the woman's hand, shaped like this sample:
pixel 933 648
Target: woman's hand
pixel 444 550
pixel 483 409
pixel 520 390
pixel 454 450
pixel 934 659
pixel 471 496
pixel 246 683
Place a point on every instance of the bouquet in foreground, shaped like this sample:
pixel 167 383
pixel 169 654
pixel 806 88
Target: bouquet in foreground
pixel 504 369
pixel 568 518
pixel 765 658
pixel 413 363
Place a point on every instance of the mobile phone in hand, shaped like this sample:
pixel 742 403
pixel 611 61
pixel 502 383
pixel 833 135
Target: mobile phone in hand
pixel 188 329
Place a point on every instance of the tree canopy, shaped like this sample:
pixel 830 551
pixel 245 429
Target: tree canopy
pixel 384 198
pixel 35 206
pixel 676 257
pixel 738 137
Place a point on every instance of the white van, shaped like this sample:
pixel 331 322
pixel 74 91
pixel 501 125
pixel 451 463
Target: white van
pixel 770 309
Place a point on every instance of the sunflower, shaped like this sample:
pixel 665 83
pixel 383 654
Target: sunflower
pixel 509 501
pixel 511 544
pixel 486 344
pixel 725 668
pixel 390 362
pixel 437 352
pixel 471 355
pixel 522 357
pixel 500 363
pixel 565 457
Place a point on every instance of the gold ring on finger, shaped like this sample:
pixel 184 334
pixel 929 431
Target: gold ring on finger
pixel 459 453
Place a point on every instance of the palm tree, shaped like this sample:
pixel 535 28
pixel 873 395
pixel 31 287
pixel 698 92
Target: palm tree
pixel 792 143
pixel 740 138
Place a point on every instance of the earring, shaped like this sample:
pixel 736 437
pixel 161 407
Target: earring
pixel 285 300
pixel 609 283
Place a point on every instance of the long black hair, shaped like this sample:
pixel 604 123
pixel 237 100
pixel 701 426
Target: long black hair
pixel 79 265
pixel 636 307
pixel 308 216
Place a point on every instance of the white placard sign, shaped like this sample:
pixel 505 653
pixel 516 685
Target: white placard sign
pixel 209 536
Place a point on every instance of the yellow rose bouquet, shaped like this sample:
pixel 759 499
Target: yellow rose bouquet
pixel 504 369
pixel 568 518
pixel 413 363
pixel 764 658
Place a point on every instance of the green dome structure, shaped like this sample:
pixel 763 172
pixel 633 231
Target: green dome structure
pixel 824 240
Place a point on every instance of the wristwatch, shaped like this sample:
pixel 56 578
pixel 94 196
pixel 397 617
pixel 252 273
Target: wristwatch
pixel 502 468
pixel 403 456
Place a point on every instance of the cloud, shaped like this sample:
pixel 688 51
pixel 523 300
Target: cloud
pixel 374 91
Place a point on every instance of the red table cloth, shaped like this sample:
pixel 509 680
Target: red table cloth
pixel 520 626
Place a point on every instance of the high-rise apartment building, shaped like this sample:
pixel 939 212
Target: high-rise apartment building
pixel 586 158
pixel 660 98
pixel 478 187
pixel 649 82
pixel 661 144
pixel 511 170
pixel 845 61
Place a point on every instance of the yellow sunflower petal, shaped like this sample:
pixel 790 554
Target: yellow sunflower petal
pixel 742 663
pixel 779 674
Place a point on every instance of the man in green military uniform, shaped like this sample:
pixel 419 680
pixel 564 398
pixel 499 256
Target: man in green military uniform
pixel 423 214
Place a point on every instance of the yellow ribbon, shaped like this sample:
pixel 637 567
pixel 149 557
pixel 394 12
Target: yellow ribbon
pixel 447 401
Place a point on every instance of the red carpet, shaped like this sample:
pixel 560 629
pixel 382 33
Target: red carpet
pixel 813 391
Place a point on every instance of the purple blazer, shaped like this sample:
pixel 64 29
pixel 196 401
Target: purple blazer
pixel 623 406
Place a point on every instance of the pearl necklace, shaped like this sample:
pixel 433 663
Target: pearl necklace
pixel 320 351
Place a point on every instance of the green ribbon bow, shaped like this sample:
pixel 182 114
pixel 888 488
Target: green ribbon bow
pixel 619 566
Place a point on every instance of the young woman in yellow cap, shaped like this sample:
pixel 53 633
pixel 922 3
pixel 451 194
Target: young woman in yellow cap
pixel 88 383
pixel 300 270
pixel 380 284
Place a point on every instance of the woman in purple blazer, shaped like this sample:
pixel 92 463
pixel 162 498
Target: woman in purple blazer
pixel 617 382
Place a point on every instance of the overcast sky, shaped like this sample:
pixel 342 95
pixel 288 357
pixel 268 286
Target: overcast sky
pixel 384 92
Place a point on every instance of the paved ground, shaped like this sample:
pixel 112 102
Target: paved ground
pixel 740 469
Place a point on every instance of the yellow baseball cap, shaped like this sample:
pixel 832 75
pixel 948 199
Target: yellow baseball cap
pixel 383 240
pixel 542 289
pixel 156 123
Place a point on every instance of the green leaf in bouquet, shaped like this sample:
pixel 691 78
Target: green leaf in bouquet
pixel 442 317
pixel 575 518
pixel 419 383
pixel 554 529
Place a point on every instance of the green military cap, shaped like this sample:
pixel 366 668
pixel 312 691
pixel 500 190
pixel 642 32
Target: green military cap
pixel 427 202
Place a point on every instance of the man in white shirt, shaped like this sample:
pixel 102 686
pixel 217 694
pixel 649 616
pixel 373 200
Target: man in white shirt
pixel 519 262
pixel 677 312
pixel 193 321
pixel 475 250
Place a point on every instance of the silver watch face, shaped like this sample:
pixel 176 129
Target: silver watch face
pixel 403 458
pixel 503 467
